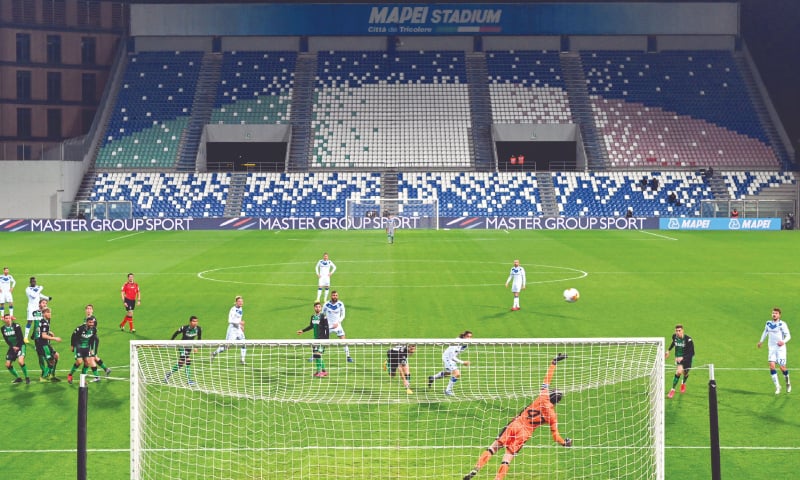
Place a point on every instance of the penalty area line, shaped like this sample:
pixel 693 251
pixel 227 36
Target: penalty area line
pixel 124 236
pixel 665 237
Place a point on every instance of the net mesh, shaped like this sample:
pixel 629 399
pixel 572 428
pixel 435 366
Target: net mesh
pixel 374 213
pixel 271 418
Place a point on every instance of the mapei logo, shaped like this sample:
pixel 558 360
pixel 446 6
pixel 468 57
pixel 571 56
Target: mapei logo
pixel 756 223
pixel 734 224
pixel 421 15
pixel 689 223
pixel 674 224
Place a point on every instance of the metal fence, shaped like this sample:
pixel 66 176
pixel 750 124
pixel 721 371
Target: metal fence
pixel 97 210
pixel 785 209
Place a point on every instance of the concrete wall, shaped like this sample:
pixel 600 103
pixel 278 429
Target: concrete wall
pixel 696 42
pixel 37 189
pixel 245 44
pixel 465 43
pixel 324 44
pixel 550 43
pixel 183 44
pixel 615 42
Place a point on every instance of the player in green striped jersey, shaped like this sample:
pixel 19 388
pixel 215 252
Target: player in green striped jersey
pixel 684 353
pixel 319 324
pixel 48 357
pixel 190 331
pixel 84 343
pixel 12 334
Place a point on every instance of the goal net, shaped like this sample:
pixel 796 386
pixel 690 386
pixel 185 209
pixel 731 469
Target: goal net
pixel 407 213
pixel 272 418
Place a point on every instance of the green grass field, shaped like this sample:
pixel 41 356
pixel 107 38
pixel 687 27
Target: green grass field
pixel 721 285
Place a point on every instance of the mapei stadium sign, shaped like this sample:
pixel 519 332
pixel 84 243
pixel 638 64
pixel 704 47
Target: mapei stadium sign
pixel 207 19
pixel 325 223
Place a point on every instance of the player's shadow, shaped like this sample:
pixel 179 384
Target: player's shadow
pixel 739 391
pixel 524 312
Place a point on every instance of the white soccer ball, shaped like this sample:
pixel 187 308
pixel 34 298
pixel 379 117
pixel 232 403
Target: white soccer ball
pixel 572 295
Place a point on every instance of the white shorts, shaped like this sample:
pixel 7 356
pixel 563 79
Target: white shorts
pixel 338 331
pixel 777 355
pixel 6 297
pixel 30 313
pixel 234 333
pixel 450 366
pixel 324 281
pixel 516 287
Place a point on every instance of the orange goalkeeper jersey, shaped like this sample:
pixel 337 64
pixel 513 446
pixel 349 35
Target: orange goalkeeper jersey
pixel 541 411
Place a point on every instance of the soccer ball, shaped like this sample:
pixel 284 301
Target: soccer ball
pixel 571 295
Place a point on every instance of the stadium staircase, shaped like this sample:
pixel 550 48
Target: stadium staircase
pixel 480 112
pixel 84 192
pixel 235 197
pixel 202 106
pixel 547 194
pixel 759 104
pixel 389 181
pixel 717 186
pixel 581 107
pixel 302 106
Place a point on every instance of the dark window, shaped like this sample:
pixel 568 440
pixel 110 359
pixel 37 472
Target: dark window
pixel 88 87
pixel 23 85
pixel 23 47
pixel 54 49
pixel 54 86
pixel 23 11
pixel 54 12
pixel 87 117
pixel 89 13
pixel 118 15
pixel 24 123
pixel 53 123
pixel 88 50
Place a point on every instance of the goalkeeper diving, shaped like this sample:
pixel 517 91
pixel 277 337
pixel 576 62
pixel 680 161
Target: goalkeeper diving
pixel 519 430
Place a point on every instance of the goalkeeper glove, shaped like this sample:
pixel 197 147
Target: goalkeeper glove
pixel 567 442
pixel 559 357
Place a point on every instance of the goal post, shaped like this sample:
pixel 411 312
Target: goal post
pixel 369 213
pixel 272 418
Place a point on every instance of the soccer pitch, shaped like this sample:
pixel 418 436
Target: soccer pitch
pixel 720 285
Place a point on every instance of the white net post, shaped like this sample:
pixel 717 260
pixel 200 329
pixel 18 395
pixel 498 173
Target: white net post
pixel 271 418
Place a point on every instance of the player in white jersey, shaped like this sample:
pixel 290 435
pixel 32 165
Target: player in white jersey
pixel 7 284
pixel 451 363
pixel 778 334
pixel 324 269
pixel 235 328
pixel 334 310
pixel 34 294
pixel 518 283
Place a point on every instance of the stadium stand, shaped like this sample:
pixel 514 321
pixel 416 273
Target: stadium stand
pixel 256 87
pixel 675 109
pixel 376 110
pixel 475 193
pixel 743 184
pixel 485 194
pixel 527 87
pixel 409 112
pixel 167 195
pixel 612 194
pixel 317 194
pixel 152 110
